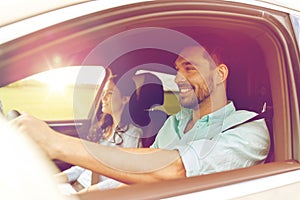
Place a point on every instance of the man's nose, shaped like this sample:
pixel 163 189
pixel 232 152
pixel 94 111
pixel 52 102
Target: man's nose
pixel 179 77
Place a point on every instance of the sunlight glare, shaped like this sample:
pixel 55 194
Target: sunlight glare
pixel 57 83
pixel 58 79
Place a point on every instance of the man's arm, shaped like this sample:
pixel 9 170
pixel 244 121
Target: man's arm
pixel 61 177
pixel 134 165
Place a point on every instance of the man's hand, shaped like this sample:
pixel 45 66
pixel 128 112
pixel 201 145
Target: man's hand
pixel 38 130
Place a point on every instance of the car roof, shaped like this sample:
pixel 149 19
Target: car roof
pixel 38 16
pixel 24 9
pixel 17 25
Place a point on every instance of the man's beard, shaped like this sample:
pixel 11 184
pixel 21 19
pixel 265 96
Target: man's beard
pixel 194 101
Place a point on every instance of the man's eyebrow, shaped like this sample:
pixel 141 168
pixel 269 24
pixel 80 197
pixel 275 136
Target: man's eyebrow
pixel 187 63
pixel 184 63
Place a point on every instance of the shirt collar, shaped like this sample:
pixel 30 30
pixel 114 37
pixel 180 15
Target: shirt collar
pixel 221 114
pixel 217 116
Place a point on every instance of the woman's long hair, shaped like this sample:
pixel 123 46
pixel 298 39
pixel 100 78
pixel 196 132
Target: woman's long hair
pixel 127 87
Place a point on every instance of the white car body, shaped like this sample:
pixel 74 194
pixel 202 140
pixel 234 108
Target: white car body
pixel 277 180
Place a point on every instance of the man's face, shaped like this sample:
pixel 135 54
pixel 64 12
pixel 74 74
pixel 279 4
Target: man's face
pixel 194 77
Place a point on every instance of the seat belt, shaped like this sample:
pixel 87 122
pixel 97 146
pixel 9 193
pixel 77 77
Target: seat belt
pixel 264 113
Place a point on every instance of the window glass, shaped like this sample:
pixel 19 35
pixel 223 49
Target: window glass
pixel 296 25
pixel 55 94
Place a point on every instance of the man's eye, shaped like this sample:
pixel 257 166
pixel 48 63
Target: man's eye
pixel 190 68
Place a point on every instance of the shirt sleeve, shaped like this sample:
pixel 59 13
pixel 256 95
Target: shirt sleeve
pixel 73 173
pixel 108 184
pixel 243 146
pixel 166 133
pixel 131 138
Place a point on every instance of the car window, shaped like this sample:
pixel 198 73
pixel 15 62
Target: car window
pixel 57 94
pixel 296 25
pixel 259 49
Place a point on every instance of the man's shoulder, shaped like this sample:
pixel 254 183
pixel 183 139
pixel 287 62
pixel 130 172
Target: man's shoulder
pixel 241 116
pixel 238 117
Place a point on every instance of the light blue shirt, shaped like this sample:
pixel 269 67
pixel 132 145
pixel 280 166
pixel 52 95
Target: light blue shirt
pixel 204 149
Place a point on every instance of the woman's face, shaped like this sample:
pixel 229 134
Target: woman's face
pixel 112 100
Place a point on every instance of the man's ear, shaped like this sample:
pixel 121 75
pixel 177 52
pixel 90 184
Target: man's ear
pixel 222 73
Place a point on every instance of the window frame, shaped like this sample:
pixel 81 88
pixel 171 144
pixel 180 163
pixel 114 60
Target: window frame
pixel 282 70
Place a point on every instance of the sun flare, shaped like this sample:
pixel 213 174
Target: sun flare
pixel 57 86
pixel 58 79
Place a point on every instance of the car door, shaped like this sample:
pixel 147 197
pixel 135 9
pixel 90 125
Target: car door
pixel 260 40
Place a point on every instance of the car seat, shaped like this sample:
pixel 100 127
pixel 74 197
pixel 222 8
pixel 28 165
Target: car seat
pixel 149 95
pixel 250 90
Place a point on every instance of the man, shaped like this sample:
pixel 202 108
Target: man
pixel 190 143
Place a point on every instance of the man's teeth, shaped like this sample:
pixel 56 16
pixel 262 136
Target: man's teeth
pixel 185 90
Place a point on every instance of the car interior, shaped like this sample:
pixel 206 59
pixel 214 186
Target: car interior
pixel 245 55
pixel 255 55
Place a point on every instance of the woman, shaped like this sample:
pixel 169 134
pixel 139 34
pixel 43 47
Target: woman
pixel 114 128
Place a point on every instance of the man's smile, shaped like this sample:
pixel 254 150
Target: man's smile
pixel 185 89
